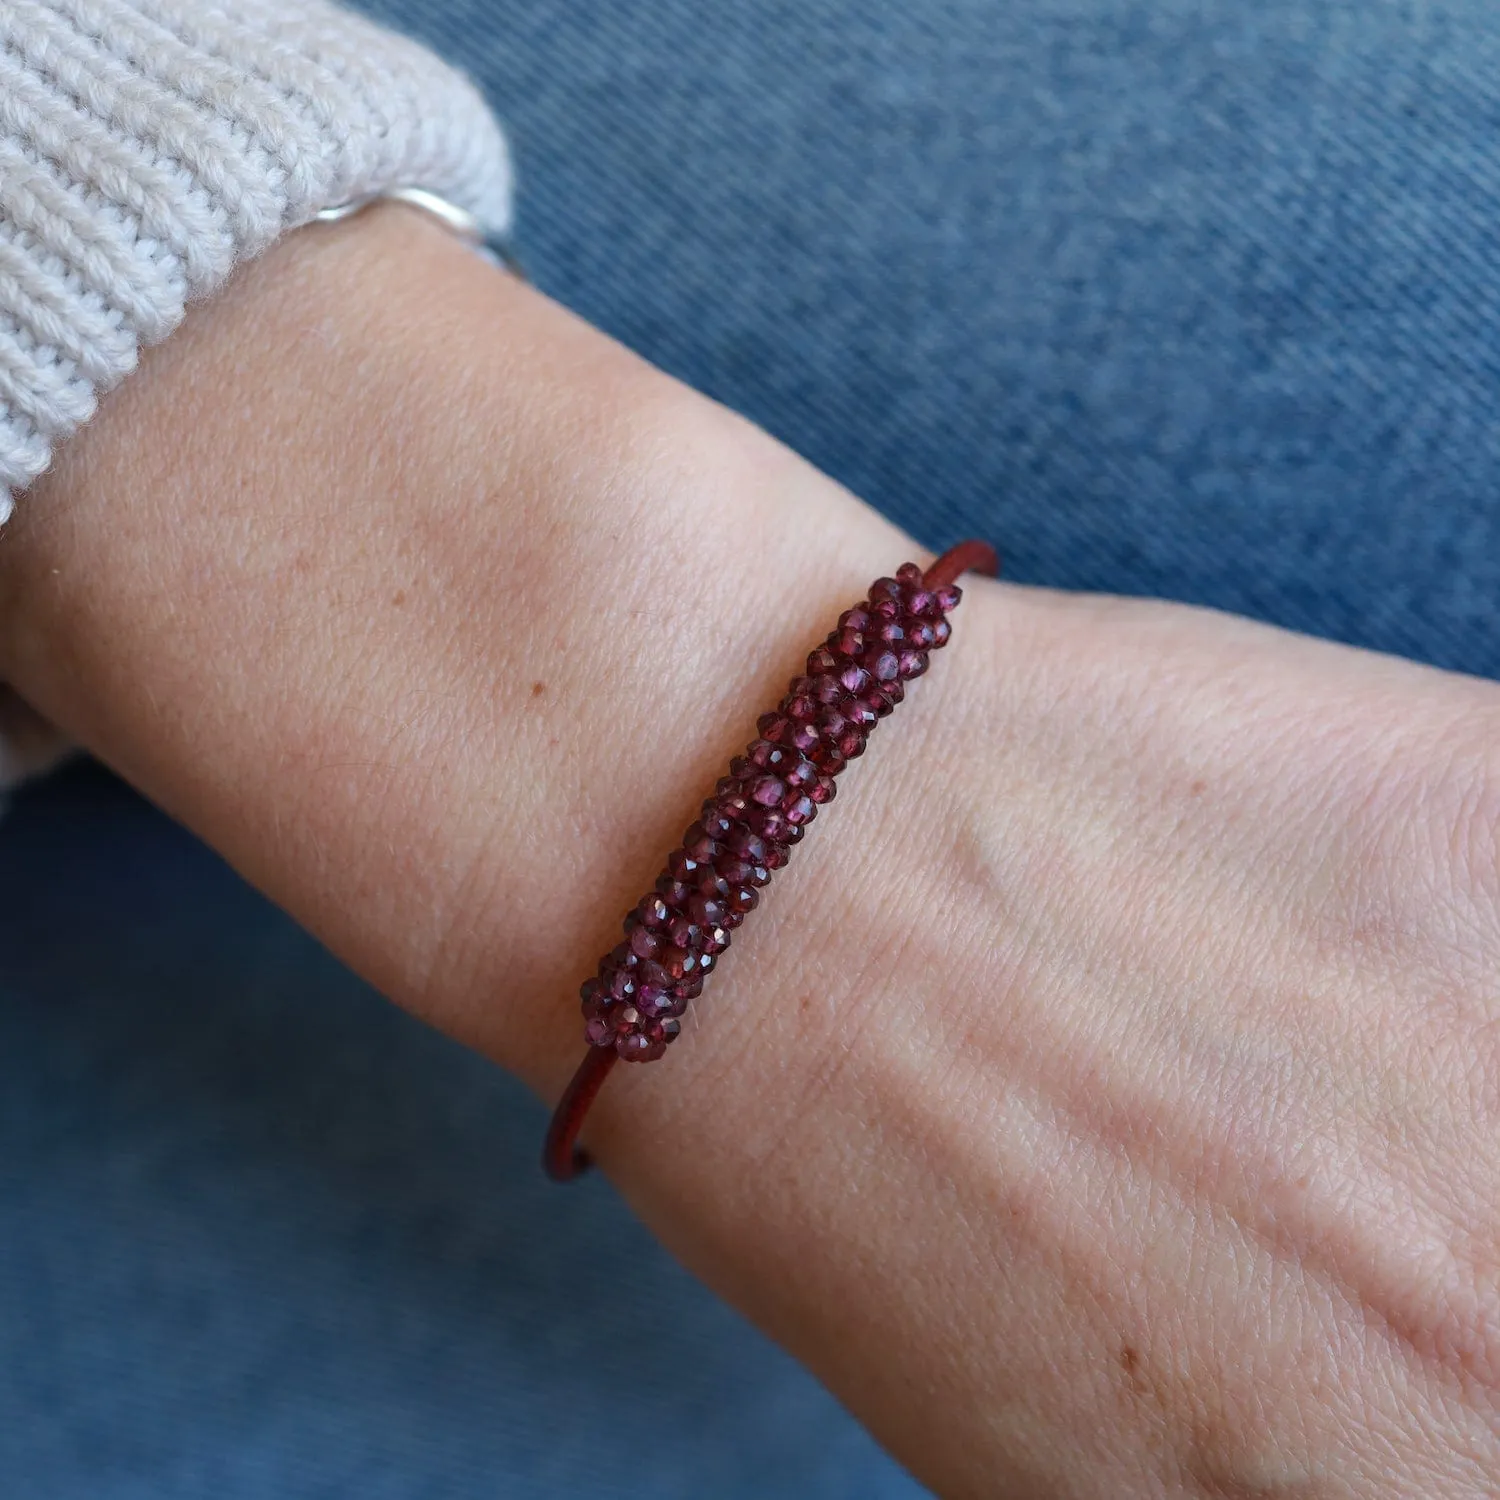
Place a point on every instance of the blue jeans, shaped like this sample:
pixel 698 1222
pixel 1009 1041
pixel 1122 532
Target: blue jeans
pixel 1193 298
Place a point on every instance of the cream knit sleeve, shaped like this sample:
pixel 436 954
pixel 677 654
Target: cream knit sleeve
pixel 146 146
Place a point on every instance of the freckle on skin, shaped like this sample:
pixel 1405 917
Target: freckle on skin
pixel 1198 788
pixel 399 598
pixel 538 688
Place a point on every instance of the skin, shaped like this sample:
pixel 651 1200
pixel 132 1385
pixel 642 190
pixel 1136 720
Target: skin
pixel 1106 1100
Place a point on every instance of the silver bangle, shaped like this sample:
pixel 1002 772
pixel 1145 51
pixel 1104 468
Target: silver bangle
pixel 456 220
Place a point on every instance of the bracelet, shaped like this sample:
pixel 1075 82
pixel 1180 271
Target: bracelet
pixel 675 934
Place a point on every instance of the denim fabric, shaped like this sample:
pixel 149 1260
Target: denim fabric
pixel 1191 298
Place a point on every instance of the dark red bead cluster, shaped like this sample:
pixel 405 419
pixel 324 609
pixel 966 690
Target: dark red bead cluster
pixel 759 811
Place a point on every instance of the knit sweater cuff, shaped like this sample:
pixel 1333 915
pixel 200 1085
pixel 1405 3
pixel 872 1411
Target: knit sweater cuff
pixel 146 146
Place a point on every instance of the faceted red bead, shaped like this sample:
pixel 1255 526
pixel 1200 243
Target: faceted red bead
pixel 847 642
pixel 825 789
pixel 682 866
pixel 678 962
pixel 733 869
pixel 769 823
pixel 799 808
pixel 877 700
pixel 804 737
pixel 658 1004
pixel 948 597
pixel 733 806
pixel 772 727
pixel 775 856
pixel 591 996
pixel 621 985
pixel 830 724
pixel 689 989
pixel 803 773
pixel 821 662
pixel 859 713
pixel 885 667
pixel 699 846
pixel 891 632
pixel 884 610
pixel 767 756
pixel 830 690
pixel 913 664
pixel 829 758
pixel 654 913
pixel 941 631
pixel 600 1032
pixel 851 743
pixel 767 791
pixel 884 588
pixel 644 943
pixel 747 844
pixel 853 678
pixel 909 573
pixel 920 635
pixel 635 1046
pixel 921 602
pixel 743 899
pixel 857 618
pixel 685 933
pixel 673 891
pixel 704 910
pixel 802 708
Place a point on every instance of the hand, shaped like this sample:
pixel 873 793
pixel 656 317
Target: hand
pixel 1105 1100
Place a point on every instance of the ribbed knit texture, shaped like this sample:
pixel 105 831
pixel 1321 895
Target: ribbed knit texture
pixel 147 146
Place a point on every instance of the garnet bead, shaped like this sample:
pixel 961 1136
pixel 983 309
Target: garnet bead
pixel 748 845
pixel 703 910
pixel 767 791
pixel 699 846
pixel 798 809
pixel 804 737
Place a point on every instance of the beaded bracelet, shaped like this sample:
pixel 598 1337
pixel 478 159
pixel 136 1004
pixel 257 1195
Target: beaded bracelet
pixel 675 934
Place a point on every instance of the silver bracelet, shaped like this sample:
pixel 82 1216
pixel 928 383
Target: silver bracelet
pixel 456 220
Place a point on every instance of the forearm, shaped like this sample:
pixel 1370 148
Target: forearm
pixel 439 615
